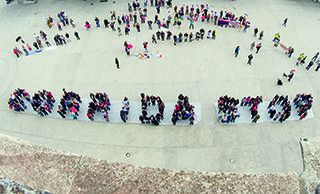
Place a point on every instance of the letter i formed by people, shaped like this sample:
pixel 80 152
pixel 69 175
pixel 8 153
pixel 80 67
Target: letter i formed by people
pixel 117 62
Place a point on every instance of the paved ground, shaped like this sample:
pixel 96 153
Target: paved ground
pixel 202 70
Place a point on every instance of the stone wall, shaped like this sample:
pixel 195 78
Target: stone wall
pixel 59 172
pixel 9 186
pixel 311 160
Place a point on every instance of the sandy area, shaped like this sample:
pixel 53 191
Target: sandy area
pixel 57 172
pixel 202 70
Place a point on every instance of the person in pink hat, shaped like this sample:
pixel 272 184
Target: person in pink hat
pixel 291 74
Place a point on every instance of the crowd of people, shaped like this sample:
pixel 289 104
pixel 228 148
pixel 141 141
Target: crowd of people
pixel 70 102
pixel 42 102
pixel 147 101
pixel 124 112
pixel 16 101
pixel 282 101
pixel 183 110
pixel 100 103
pixel 253 104
pixel 228 110
pixel 227 113
pixel 303 103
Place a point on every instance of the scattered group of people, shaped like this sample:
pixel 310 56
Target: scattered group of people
pixel 300 60
pixel 228 110
pixel 70 102
pixel 100 103
pixel 282 101
pixel 63 18
pixel 289 76
pixel 183 110
pixel 313 61
pixel 147 101
pixel 38 44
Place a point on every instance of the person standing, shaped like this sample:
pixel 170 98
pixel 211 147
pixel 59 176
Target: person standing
pixel 16 52
pixel 258 47
pixel 276 37
pixel 290 52
pixel 236 51
pixel 261 35
pixel 106 23
pixel 47 42
pixel 150 24
pixel 291 75
pixel 309 65
pixel 112 26
pixel 214 34
pixel 191 23
pixel 138 27
pixel 36 45
pixel 158 9
pixel 318 65
pixel 252 46
pixel 24 49
pixel 314 58
pixel 119 31
pixel 255 32
pixel 128 51
pixel 117 62
pixel 256 118
pixel 285 22
pixel 279 82
pixel 97 22
pixel 250 57
pixel 154 39
pixel 76 34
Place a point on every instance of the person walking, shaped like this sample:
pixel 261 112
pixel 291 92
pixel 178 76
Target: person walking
pixel 250 57
pixel 236 51
pixel 285 22
pixel 117 62
pixel 76 34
